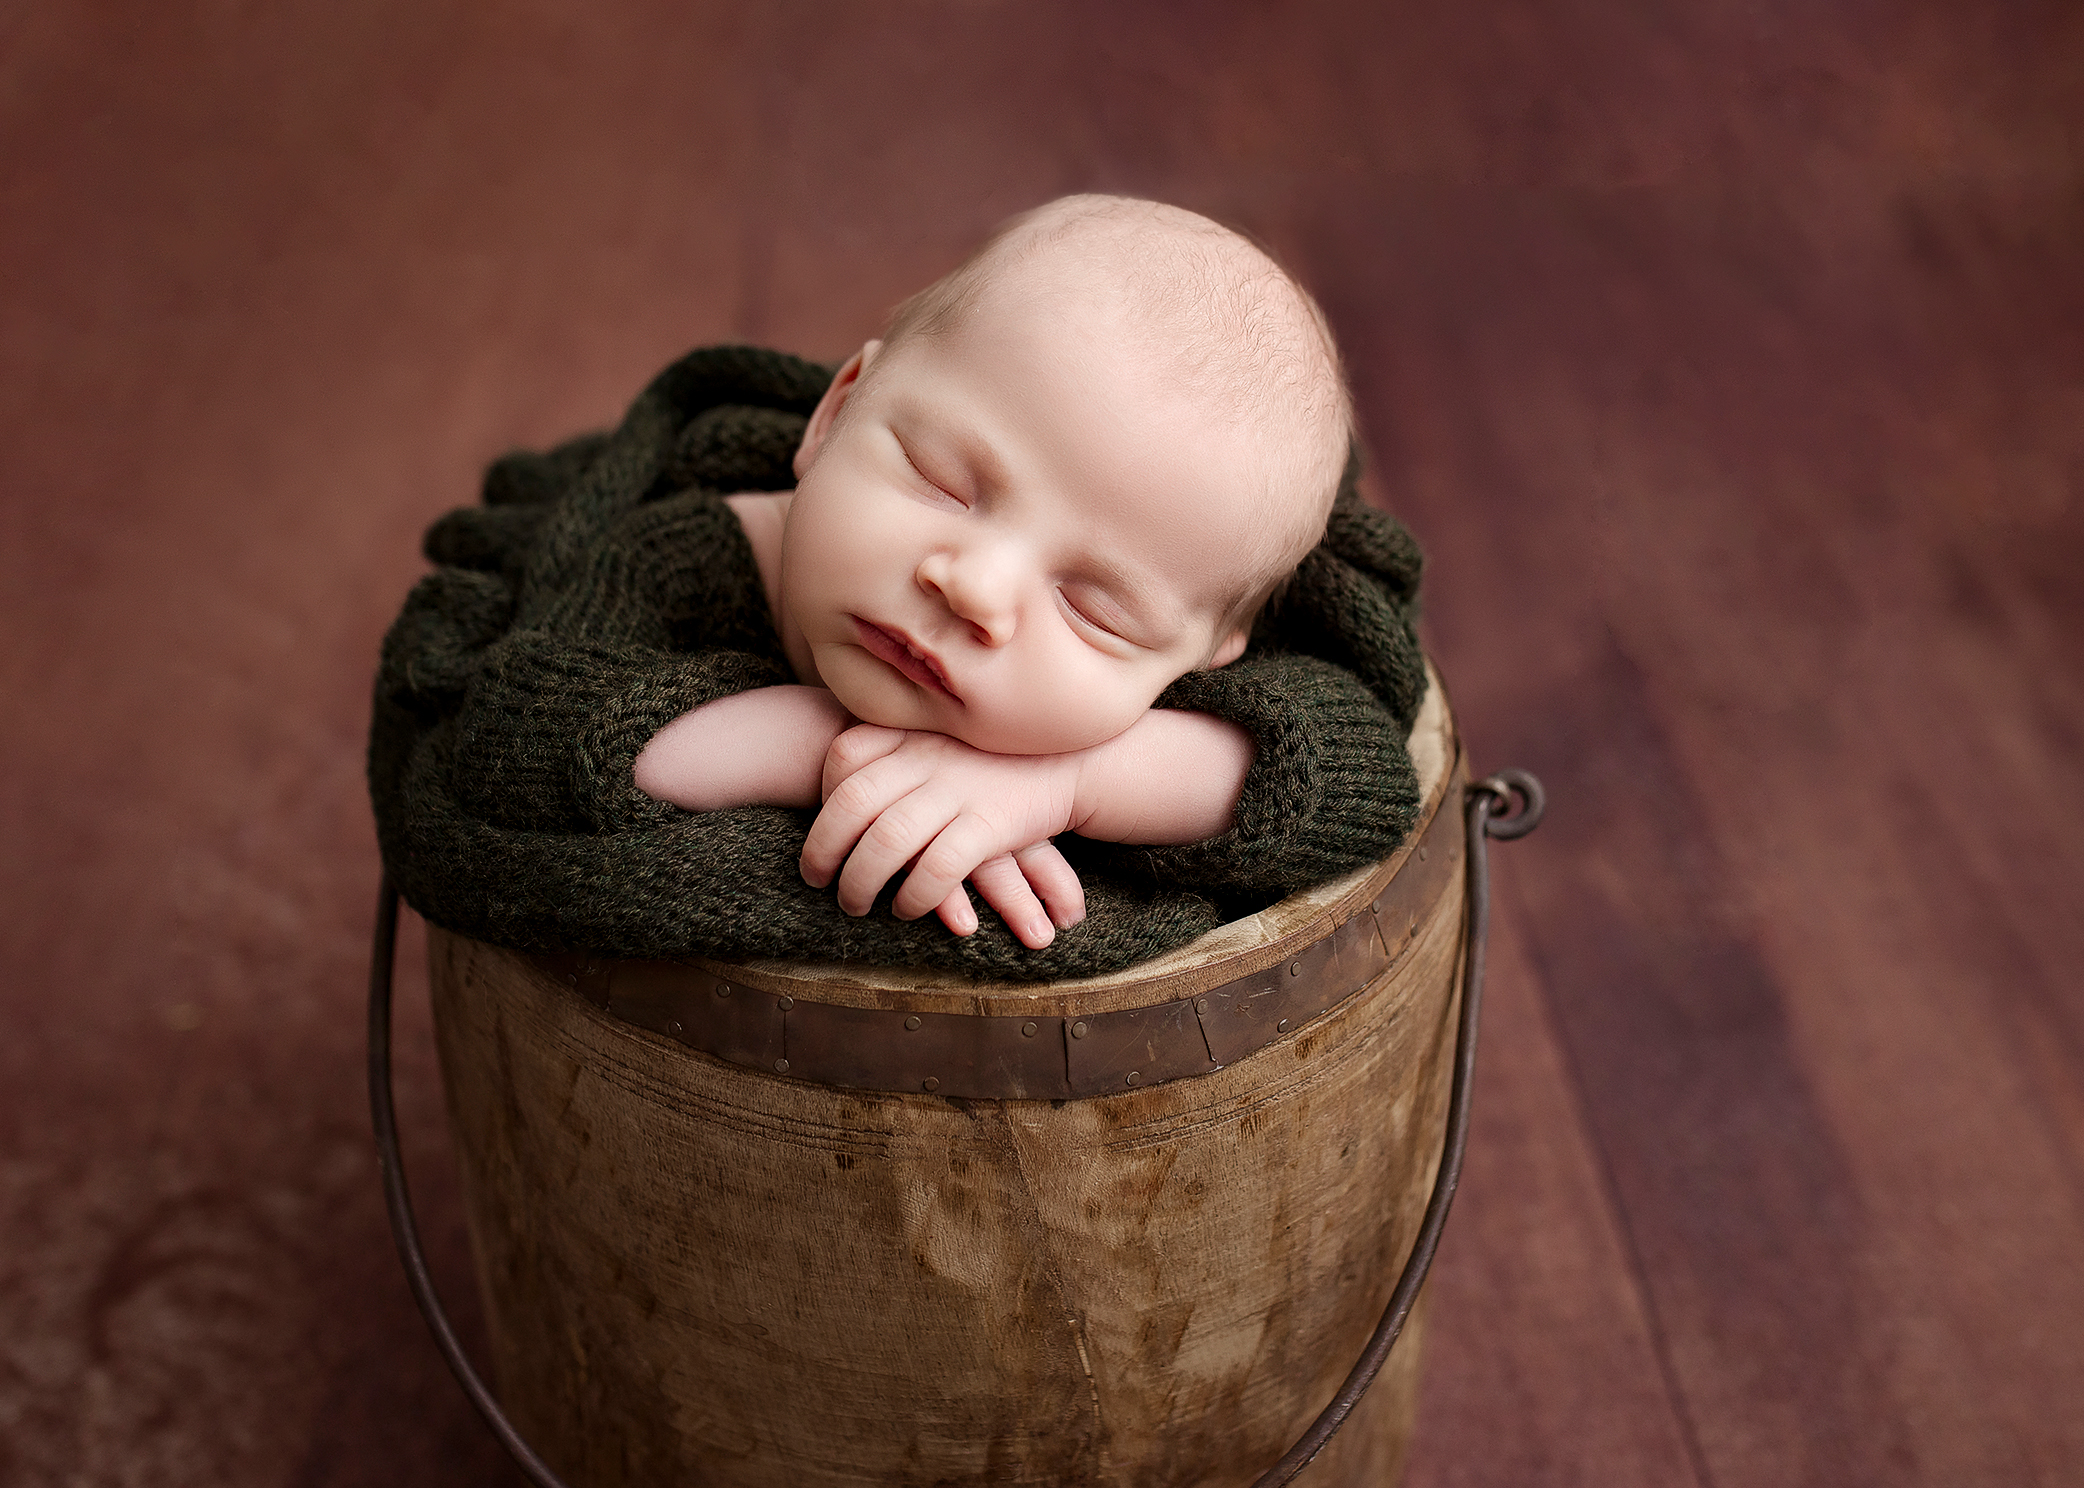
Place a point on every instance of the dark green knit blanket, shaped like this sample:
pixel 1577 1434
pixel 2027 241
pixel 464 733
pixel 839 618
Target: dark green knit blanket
pixel 604 588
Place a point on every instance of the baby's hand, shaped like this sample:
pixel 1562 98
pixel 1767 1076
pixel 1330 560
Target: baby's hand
pixel 895 797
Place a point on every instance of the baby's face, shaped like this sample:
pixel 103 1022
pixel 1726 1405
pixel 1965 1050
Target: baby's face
pixel 1017 533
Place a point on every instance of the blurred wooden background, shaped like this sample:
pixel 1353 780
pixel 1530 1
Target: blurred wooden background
pixel 1728 358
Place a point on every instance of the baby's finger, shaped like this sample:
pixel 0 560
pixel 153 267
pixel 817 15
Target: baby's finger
pixel 951 853
pixel 854 748
pixel 1055 881
pixel 850 809
pixel 956 913
pixel 1005 888
pixel 891 841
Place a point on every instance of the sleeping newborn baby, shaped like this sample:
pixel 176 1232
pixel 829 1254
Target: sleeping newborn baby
pixel 1070 473
pixel 1072 553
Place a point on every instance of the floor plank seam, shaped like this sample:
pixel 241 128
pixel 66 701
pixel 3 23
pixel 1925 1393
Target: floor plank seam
pixel 1646 1295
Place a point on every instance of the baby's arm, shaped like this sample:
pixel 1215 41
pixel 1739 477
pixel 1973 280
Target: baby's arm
pixel 1173 777
pixel 760 748
pixel 770 746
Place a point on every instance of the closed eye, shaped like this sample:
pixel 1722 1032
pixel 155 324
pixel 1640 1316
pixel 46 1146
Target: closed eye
pixel 933 487
pixel 1085 616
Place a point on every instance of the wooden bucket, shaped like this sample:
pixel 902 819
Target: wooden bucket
pixel 1131 1230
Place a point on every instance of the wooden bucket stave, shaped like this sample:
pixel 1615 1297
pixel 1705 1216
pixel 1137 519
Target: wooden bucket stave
pixel 696 1273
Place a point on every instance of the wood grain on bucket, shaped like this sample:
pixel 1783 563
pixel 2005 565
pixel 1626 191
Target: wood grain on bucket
pixel 699 1272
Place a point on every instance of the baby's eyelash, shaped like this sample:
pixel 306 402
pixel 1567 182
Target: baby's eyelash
pixel 1101 625
pixel 918 471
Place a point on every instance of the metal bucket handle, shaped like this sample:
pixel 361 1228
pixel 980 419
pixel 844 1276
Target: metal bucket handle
pixel 1493 794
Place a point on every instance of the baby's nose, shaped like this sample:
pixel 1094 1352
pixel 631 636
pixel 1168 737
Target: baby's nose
pixel 976 585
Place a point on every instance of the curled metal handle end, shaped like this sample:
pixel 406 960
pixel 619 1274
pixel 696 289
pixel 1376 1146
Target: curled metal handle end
pixel 1505 823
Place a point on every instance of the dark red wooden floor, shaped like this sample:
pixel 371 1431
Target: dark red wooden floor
pixel 1729 361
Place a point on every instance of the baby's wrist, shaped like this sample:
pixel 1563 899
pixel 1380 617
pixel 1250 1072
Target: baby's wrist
pixel 1089 783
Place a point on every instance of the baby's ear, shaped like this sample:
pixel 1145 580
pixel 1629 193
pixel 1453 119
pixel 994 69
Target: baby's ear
pixel 1231 649
pixel 822 417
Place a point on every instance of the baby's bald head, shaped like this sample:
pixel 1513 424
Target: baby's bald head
pixel 1207 312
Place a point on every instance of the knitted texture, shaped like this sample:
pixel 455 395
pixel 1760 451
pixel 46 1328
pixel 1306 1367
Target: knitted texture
pixel 604 588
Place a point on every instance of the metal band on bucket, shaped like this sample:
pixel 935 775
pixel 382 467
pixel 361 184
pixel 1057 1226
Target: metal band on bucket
pixel 982 1056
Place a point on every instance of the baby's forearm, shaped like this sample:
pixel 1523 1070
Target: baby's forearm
pixel 760 748
pixel 1172 777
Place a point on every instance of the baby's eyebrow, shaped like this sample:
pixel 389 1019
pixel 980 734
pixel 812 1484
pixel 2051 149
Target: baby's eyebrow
pixel 975 452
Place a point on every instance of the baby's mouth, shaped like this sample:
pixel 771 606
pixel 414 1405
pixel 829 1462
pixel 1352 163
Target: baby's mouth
pixel 892 648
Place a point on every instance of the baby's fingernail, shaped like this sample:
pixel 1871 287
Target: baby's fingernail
pixel 1040 932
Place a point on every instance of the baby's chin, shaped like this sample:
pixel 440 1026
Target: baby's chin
pixel 991 736
pixel 875 700
pixel 1013 739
